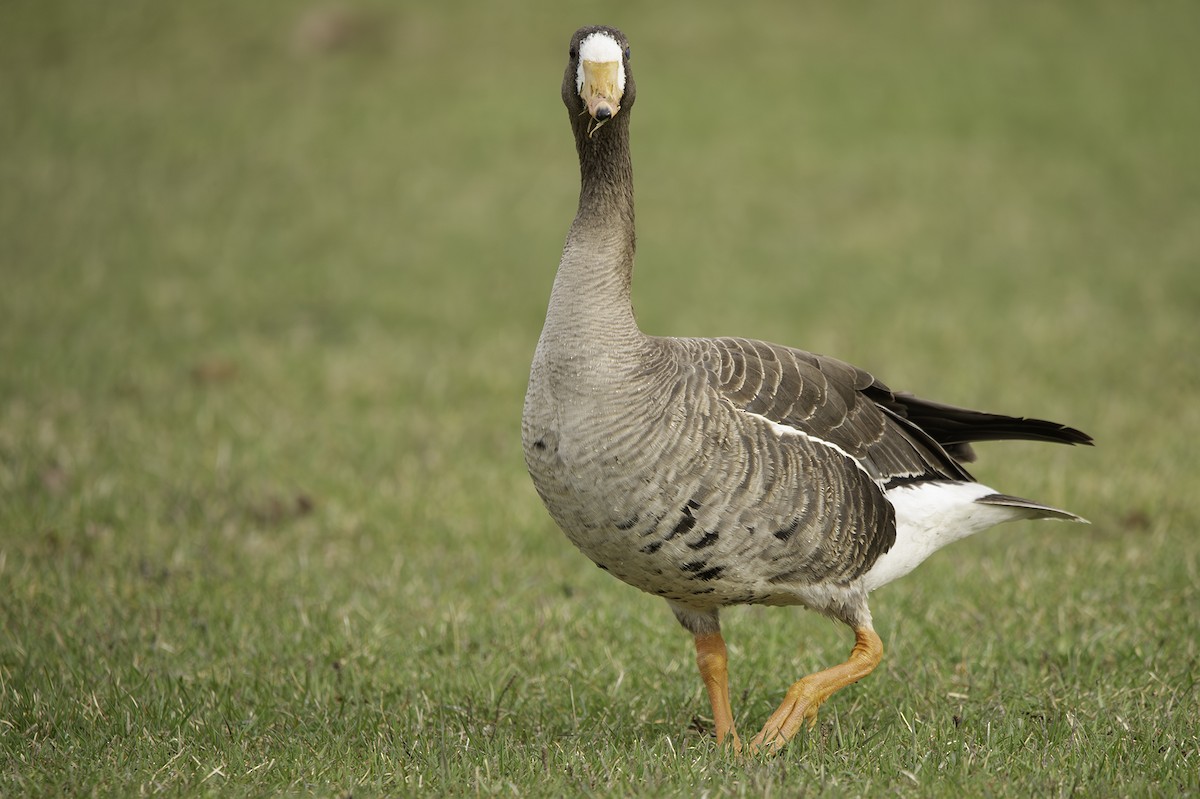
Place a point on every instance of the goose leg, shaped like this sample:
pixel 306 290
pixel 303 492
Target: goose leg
pixel 713 661
pixel 805 697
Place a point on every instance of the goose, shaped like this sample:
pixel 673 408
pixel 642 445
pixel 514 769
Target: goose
pixel 725 471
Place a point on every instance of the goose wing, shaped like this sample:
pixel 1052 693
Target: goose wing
pixel 834 402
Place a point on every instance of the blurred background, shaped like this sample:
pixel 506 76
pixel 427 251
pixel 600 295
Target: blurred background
pixel 271 275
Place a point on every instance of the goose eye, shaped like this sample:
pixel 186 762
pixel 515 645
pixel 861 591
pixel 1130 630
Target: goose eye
pixel 627 55
pixel 573 52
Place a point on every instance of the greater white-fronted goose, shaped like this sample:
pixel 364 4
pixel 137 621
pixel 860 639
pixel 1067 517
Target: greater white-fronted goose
pixel 724 471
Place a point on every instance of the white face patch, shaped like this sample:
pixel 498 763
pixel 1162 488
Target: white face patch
pixel 602 48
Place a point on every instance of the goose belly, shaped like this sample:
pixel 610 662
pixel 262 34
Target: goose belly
pixel 705 517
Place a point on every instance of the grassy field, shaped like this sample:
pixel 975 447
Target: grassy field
pixel 270 279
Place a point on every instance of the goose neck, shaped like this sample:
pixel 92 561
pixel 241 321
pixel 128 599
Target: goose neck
pixel 591 294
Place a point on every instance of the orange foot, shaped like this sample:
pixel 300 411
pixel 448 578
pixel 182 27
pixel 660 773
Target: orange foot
pixel 804 698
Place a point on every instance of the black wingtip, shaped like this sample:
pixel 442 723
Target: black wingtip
pixel 1040 430
pixel 953 427
pixel 1072 436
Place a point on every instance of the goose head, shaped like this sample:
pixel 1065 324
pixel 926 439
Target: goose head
pixel 597 82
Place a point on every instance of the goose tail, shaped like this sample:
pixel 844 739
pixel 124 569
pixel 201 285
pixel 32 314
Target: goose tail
pixel 1030 509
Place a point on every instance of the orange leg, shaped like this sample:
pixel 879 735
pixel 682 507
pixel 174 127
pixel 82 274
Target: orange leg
pixel 713 661
pixel 804 697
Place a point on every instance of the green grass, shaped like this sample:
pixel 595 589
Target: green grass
pixel 266 311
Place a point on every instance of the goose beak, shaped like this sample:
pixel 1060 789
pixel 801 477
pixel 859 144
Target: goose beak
pixel 600 90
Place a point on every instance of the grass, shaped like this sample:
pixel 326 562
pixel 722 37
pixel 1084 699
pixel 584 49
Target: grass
pixel 272 275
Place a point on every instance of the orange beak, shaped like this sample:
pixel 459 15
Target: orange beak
pixel 600 90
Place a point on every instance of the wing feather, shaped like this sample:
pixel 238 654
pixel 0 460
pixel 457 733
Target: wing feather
pixel 829 400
